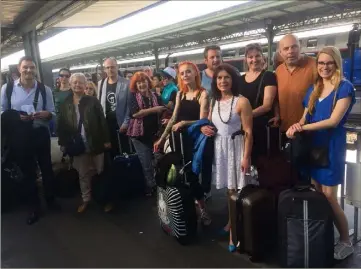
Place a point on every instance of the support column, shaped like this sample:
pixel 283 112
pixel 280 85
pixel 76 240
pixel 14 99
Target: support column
pixel 156 55
pixel 270 35
pixel 31 47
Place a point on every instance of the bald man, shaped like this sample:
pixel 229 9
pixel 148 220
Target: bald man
pixel 113 94
pixel 294 76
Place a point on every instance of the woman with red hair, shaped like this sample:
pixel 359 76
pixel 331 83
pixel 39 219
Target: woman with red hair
pixel 145 107
pixel 191 105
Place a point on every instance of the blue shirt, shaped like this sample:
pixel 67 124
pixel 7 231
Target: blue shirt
pixel 206 82
pixel 21 97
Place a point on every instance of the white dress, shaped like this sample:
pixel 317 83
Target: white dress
pixel 227 161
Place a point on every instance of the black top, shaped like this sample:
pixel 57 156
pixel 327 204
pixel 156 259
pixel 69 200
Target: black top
pixel 111 101
pixel 189 110
pixel 249 90
pixel 150 122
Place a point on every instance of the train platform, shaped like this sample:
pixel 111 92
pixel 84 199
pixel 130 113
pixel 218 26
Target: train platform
pixel 128 237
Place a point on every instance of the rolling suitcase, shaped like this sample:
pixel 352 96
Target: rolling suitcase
pixel 176 209
pixel 253 219
pixel 306 231
pixel 274 170
pixel 127 173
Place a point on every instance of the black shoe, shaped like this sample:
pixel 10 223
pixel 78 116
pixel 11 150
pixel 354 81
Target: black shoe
pixel 32 218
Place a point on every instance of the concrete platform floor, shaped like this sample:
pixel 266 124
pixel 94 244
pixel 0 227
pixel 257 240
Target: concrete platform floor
pixel 128 237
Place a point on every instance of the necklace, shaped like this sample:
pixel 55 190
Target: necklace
pixel 230 111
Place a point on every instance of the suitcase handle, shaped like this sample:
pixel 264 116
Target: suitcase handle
pixel 301 188
pixel 237 133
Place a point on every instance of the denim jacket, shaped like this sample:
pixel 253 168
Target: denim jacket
pixel 199 144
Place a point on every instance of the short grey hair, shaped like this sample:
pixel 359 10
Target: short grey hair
pixel 75 75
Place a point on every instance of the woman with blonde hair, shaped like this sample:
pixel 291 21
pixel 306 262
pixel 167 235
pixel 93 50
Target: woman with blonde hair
pixel 91 89
pixel 191 105
pixel 327 105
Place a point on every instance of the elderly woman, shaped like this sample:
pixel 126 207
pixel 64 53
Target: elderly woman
pixel 91 89
pixel 82 125
pixel 145 107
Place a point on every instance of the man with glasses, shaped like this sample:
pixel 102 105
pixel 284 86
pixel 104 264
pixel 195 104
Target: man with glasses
pixel 29 104
pixel 113 94
pixel 294 76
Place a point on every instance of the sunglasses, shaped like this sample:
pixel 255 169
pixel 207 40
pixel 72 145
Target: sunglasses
pixel 64 76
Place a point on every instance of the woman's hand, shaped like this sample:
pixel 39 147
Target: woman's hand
pixel 165 121
pixel 208 130
pixel 245 164
pixel 178 126
pixel 275 121
pixel 157 145
pixel 160 109
pixel 107 145
pixel 295 128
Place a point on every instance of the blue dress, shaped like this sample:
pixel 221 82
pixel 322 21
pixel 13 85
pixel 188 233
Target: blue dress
pixel 335 138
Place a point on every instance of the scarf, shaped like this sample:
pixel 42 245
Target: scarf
pixel 136 128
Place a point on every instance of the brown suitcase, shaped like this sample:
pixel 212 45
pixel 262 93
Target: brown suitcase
pixel 253 220
pixel 274 170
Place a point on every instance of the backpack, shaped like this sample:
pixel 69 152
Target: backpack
pixel 39 89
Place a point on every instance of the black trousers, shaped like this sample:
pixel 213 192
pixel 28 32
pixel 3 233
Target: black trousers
pixel 42 151
pixel 207 165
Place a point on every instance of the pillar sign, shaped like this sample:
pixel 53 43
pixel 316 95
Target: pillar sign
pixel 270 35
pixel 31 47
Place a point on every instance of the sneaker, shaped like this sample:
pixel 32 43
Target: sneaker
pixel 207 196
pixel 205 218
pixel 343 250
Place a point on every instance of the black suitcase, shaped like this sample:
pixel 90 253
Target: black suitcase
pixel 306 231
pixel 127 173
pixel 66 181
pixel 253 220
pixel 176 209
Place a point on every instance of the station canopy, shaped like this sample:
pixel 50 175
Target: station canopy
pixel 243 22
pixel 52 17
pixel 238 23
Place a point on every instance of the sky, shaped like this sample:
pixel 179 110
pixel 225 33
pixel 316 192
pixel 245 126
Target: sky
pixel 162 15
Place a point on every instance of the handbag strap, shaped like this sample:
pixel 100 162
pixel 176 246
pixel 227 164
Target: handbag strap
pixel 81 116
pixel 259 90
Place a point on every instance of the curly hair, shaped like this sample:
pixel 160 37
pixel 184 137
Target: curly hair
pixel 138 77
pixel 335 80
pixel 216 93
pixel 182 87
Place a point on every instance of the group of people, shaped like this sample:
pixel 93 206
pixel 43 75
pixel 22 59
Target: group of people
pixel 303 95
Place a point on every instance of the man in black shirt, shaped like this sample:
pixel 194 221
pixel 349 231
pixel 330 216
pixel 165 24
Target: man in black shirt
pixel 113 95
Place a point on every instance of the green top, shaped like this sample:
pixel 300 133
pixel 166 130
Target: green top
pixel 59 98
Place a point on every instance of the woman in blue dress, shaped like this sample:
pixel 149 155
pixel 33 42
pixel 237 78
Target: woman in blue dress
pixel 325 115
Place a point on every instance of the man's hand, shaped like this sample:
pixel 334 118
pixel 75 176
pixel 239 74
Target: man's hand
pixel 123 129
pixel 26 117
pixel 42 115
pixel 165 121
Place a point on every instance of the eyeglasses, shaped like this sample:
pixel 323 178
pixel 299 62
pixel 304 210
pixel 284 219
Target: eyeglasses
pixel 64 76
pixel 326 63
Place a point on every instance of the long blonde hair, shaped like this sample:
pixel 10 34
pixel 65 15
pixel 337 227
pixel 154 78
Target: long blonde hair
pixel 335 80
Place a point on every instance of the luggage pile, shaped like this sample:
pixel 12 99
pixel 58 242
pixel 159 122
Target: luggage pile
pixel 300 224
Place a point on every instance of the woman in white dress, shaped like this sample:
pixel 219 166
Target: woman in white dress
pixel 229 113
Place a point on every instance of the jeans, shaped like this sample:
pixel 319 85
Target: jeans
pixel 145 155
